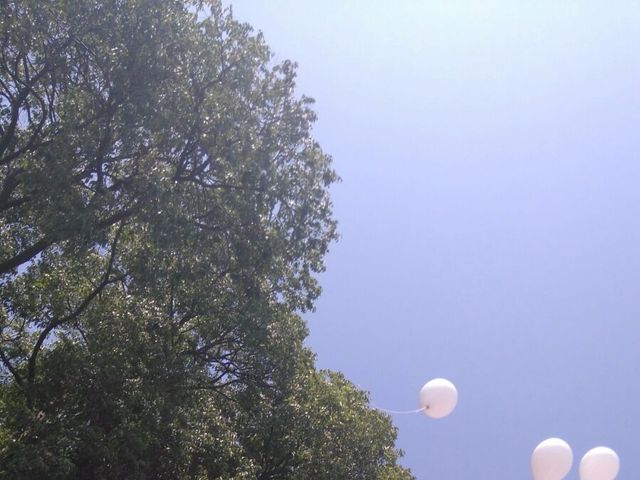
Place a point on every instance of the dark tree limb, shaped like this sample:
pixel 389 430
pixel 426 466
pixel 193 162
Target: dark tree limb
pixel 26 255
pixel 7 363
pixel 11 181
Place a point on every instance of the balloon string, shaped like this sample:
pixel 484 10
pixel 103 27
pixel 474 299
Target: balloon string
pixel 397 412
pixel 392 412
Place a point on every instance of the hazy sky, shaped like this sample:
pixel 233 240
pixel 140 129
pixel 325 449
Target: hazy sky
pixel 490 217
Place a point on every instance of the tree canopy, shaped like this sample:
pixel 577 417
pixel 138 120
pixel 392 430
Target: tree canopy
pixel 164 209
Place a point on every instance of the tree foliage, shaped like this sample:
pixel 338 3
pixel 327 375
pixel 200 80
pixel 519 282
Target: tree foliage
pixel 163 211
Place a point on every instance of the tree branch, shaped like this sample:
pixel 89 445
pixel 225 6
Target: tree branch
pixel 31 367
pixel 46 242
pixel 10 367
pixel 25 255
pixel 15 112
pixel 9 185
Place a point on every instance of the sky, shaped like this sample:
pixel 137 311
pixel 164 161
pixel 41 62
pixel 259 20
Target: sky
pixel 490 217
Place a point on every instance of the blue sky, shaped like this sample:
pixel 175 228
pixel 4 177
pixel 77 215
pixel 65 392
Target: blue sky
pixel 490 217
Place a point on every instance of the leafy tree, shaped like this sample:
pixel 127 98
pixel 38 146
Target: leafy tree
pixel 163 211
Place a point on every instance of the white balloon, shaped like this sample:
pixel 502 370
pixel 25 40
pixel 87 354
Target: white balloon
pixel 600 463
pixel 551 459
pixel 438 398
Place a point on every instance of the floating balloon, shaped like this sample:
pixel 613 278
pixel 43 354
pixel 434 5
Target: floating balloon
pixel 438 398
pixel 600 463
pixel 551 460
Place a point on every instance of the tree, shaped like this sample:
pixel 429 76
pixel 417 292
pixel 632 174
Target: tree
pixel 163 211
